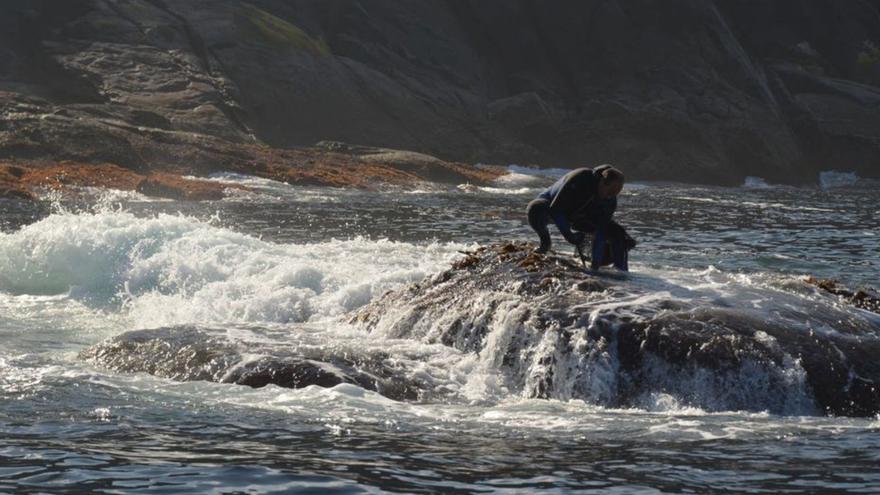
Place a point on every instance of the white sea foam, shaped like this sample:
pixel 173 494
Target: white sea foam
pixel 523 178
pixel 102 196
pixel 173 269
pixel 345 408
pixel 755 183
pixel 511 191
pixel 260 189
pixel 515 181
pixel 834 179
pixel 550 173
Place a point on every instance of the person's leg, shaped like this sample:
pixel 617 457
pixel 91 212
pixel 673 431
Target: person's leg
pixel 538 213
pixel 617 237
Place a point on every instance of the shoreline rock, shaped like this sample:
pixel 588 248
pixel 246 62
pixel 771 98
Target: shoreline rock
pixel 365 168
pixel 202 354
pixel 713 92
pixel 27 181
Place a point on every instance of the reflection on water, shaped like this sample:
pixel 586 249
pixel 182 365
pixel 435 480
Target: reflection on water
pixel 197 452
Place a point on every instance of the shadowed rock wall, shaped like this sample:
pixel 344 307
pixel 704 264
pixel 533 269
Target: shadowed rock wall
pixel 696 90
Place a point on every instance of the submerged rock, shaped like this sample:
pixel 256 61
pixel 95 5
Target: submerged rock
pixel 548 329
pixel 199 354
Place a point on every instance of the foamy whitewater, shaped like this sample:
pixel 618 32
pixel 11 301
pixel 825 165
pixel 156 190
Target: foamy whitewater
pixel 288 267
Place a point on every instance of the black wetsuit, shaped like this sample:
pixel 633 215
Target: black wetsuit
pixel 573 201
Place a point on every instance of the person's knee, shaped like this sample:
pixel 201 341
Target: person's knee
pixel 536 205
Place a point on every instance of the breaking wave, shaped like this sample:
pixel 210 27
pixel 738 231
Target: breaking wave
pixel 174 269
pixel 751 182
pixel 832 179
pixel 462 341
pixel 528 179
pixel 547 173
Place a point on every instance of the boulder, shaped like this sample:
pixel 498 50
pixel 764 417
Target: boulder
pixel 204 354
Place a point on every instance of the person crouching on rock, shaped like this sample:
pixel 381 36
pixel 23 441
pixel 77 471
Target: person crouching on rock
pixel 584 199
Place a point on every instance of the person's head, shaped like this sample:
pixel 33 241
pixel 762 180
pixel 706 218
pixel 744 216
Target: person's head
pixel 610 183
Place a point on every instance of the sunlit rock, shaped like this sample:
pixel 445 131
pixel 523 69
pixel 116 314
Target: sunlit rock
pixel 622 340
pixel 516 324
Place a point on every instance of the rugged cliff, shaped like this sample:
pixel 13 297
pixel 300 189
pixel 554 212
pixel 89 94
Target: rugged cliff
pixel 695 90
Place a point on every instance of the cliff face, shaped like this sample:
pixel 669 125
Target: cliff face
pixel 695 90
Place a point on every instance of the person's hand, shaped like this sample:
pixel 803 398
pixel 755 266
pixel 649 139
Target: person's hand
pixel 630 243
pixel 576 238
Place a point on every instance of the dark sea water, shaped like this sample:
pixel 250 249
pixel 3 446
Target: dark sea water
pixel 296 262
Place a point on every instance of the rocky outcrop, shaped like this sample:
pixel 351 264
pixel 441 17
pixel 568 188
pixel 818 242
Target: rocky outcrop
pixel 335 165
pixel 203 354
pixel 10 177
pixel 30 181
pixel 697 90
pixel 553 331
pixel 863 298
pixel 537 326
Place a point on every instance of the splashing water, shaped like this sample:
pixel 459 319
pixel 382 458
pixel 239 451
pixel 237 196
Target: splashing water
pixel 287 267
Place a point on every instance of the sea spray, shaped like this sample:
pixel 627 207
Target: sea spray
pixel 172 269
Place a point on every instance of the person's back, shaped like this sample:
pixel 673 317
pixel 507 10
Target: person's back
pixel 585 199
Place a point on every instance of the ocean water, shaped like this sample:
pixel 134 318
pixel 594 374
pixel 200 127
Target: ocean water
pixel 290 265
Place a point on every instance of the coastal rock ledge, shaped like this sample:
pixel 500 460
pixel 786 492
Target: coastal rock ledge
pixel 541 327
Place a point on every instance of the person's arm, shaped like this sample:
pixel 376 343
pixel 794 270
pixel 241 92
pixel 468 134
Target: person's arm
pixel 598 255
pixel 604 212
pixel 565 201
pixel 603 220
pixel 563 225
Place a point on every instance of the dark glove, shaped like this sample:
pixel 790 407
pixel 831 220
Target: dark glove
pixel 629 243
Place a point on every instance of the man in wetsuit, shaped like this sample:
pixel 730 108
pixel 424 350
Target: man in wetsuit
pixel 584 199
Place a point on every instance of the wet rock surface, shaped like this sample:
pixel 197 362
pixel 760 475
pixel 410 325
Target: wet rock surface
pixel 863 298
pixel 540 326
pixel 30 181
pixel 619 340
pixel 201 354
